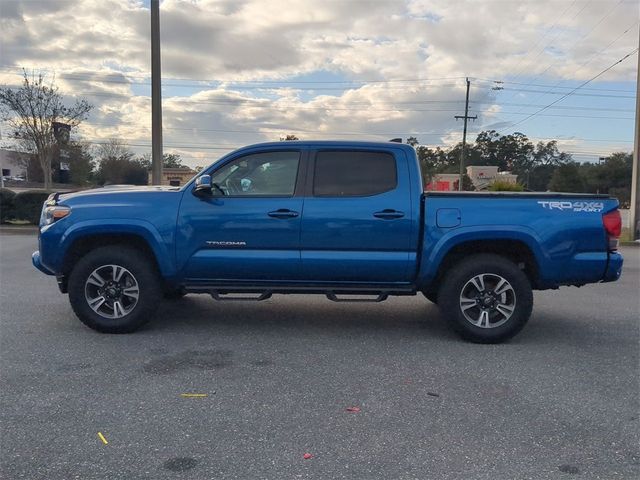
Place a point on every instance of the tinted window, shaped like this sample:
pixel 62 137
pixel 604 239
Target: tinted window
pixel 270 173
pixel 350 174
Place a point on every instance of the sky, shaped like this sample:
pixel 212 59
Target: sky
pixel 236 72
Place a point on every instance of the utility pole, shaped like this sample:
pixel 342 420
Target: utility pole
pixel 635 180
pixel 464 134
pixel 156 96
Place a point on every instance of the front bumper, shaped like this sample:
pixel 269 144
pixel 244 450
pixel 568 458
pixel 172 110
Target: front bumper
pixel 35 259
pixel 614 267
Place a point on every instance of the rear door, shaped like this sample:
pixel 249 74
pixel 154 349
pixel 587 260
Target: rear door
pixel 357 221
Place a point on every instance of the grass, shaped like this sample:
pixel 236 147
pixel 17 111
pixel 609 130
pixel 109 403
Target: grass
pixel 18 223
pixel 626 236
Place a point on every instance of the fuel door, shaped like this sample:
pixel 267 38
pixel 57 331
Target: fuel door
pixel 448 217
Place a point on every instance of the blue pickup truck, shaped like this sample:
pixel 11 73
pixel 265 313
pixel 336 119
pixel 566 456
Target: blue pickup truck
pixel 348 220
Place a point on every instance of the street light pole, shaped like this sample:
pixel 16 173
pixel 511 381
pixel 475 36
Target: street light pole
pixel 156 96
pixel 635 181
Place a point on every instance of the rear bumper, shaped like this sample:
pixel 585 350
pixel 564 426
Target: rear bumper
pixel 35 259
pixel 614 267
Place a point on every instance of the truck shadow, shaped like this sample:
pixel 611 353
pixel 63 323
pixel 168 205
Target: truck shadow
pixel 198 313
pixel 401 317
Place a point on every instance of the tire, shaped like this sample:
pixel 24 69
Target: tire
pixel 486 298
pixel 114 275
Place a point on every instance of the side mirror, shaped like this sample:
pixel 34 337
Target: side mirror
pixel 203 186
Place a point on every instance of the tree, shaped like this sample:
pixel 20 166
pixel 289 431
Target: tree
pixel 80 163
pixel 290 136
pixel 613 176
pixel 118 165
pixel 413 141
pixel 538 178
pixel 432 162
pixel 113 148
pixel 566 178
pixel 172 160
pixel 117 171
pixel 467 183
pixel 508 152
pixel 169 160
pixel 31 110
pixel 548 154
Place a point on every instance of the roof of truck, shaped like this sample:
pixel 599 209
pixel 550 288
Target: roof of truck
pixel 332 143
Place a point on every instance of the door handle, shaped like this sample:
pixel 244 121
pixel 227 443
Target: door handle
pixel 389 214
pixel 283 213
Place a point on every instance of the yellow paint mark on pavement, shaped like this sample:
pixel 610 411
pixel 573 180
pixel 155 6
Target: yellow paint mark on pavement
pixel 104 440
pixel 195 395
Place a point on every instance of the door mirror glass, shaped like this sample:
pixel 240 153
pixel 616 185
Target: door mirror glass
pixel 203 186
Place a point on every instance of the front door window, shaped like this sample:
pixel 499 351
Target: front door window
pixel 270 174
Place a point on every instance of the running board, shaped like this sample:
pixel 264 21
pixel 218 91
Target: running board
pixel 227 297
pixel 380 298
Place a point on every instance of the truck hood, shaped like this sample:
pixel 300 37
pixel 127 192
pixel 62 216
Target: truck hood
pixel 112 190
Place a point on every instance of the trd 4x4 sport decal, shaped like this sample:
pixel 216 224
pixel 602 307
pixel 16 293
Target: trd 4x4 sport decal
pixel 572 206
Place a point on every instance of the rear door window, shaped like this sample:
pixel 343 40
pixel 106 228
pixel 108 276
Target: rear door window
pixel 353 173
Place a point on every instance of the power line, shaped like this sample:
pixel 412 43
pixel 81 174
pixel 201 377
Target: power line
pixel 518 73
pixel 585 36
pixel 251 83
pixel 589 60
pixel 552 86
pixel 576 88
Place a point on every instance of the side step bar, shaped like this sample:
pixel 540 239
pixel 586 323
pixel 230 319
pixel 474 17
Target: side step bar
pixel 228 297
pixel 382 296
pixel 259 296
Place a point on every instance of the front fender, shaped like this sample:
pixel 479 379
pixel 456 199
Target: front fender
pixel 161 247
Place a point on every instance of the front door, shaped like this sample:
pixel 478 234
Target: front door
pixel 358 220
pixel 249 230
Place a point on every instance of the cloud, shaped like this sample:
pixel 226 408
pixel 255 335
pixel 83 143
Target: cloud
pixel 100 50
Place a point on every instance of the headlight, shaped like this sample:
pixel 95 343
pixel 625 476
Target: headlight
pixel 55 213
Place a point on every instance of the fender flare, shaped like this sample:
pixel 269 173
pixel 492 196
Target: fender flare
pixel 115 226
pixel 432 257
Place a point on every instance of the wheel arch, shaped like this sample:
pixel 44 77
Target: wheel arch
pixel 518 247
pixel 79 241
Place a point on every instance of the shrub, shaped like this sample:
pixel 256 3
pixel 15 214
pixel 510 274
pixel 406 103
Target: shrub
pixel 28 205
pixel 6 204
pixel 503 186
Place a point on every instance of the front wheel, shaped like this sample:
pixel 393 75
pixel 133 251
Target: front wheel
pixel 114 289
pixel 486 298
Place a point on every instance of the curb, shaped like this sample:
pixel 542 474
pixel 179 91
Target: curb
pixel 18 229
pixel 630 244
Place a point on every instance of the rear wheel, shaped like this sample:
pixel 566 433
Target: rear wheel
pixel 114 289
pixel 486 298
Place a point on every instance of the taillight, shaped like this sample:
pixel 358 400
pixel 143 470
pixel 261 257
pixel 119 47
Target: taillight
pixel 612 222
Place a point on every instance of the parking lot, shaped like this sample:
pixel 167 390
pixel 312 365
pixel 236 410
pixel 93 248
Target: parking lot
pixel 274 380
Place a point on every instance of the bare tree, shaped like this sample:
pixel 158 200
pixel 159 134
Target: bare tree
pixel 31 110
pixel 113 148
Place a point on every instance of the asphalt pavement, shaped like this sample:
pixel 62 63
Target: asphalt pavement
pixel 273 381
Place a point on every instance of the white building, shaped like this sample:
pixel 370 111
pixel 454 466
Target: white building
pixel 12 163
pixel 480 176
